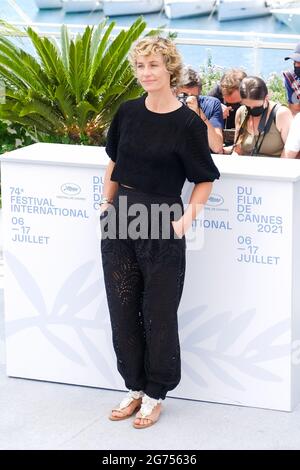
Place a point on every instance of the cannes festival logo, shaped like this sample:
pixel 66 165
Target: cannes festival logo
pixel 215 200
pixel 70 189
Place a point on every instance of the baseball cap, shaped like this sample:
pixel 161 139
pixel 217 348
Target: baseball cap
pixel 296 54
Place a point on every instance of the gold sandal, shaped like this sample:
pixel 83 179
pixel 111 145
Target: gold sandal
pixel 128 406
pixel 150 410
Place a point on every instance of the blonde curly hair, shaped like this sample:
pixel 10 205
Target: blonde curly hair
pixel 159 45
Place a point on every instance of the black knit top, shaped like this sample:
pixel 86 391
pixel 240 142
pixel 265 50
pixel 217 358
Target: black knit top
pixel 156 152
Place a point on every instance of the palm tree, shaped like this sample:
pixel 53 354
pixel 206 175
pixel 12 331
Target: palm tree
pixel 68 93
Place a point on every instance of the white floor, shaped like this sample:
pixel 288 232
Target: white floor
pixel 43 415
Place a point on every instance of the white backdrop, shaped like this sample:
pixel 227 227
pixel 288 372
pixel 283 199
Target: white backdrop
pixel 238 318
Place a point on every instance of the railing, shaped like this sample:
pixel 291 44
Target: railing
pixel 255 41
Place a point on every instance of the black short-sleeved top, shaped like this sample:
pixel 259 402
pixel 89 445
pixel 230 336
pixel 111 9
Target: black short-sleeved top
pixel 156 152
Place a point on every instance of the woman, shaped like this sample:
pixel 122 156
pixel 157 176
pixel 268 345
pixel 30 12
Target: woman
pixel 154 143
pixel 262 125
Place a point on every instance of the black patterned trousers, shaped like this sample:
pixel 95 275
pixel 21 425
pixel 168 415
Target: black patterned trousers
pixel 144 279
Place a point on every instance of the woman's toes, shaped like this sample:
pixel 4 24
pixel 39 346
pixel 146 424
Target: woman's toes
pixel 141 421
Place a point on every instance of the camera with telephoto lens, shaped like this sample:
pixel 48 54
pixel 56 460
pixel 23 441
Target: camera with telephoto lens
pixel 182 97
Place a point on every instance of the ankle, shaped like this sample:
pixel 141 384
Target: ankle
pixel 148 405
pixel 136 394
pixel 154 401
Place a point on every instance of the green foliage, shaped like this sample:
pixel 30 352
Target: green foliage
pixel 276 88
pixel 9 29
pixel 210 75
pixel 13 136
pixel 68 93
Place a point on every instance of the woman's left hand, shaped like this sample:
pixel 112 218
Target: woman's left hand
pixel 192 103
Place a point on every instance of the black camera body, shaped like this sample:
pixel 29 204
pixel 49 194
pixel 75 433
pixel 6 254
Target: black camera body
pixel 182 97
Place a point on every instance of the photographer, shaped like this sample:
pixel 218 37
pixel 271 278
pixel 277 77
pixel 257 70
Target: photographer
pixel 292 81
pixel 262 125
pixel 228 92
pixel 208 108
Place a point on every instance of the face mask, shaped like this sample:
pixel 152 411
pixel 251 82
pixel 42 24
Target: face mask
pixel 297 71
pixel 257 111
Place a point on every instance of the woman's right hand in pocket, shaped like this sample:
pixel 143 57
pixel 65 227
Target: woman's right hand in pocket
pixel 104 207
